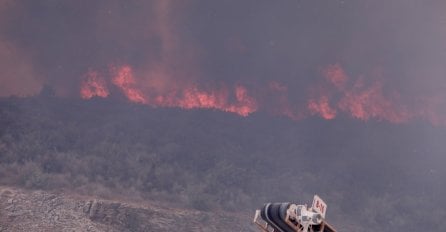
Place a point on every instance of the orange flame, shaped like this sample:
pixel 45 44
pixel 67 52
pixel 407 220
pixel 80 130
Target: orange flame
pixel 337 94
pixel 125 81
pixel 369 102
pixel 364 102
pixel 93 85
pixel 357 100
pixel 245 104
pixel 188 97
pixel 322 106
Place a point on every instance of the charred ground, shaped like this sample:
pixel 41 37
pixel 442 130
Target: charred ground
pixel 374 175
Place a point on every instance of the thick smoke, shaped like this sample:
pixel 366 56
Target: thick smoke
pixel 208 54
pixel 17 76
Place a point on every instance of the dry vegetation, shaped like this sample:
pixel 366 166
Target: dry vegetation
pixel 369 173
pixel 22 210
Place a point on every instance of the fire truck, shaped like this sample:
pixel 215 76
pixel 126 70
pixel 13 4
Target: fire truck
pixel 290 217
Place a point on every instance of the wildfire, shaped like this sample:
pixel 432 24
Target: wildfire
pixel 365 101
pixel 186 97
pixel 125 81
pixel 336 94
pixel 369 102
pixel 355 98
pixel 322 106
pixel 93 85
pixel 192 97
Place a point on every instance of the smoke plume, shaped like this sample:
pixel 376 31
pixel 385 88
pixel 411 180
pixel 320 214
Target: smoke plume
pixel 366 60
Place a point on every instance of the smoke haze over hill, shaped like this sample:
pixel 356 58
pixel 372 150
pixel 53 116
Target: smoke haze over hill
pixel 227 104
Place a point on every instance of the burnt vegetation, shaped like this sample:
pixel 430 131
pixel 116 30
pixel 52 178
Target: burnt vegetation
pixel 374 175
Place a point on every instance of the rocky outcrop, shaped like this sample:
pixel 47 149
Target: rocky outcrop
pixel 23 210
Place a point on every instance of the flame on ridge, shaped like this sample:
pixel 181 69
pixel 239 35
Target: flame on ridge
pixel 336 94
pixel 365 101
pixel 93 85
pixel 187 97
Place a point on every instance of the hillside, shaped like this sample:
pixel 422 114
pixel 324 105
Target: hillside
pixel 22 210
pixel 205 162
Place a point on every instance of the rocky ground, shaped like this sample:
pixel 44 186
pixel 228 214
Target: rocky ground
pixel 24 210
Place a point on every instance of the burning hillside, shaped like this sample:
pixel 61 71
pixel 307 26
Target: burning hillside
pixel 222 105
pixel 336 93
